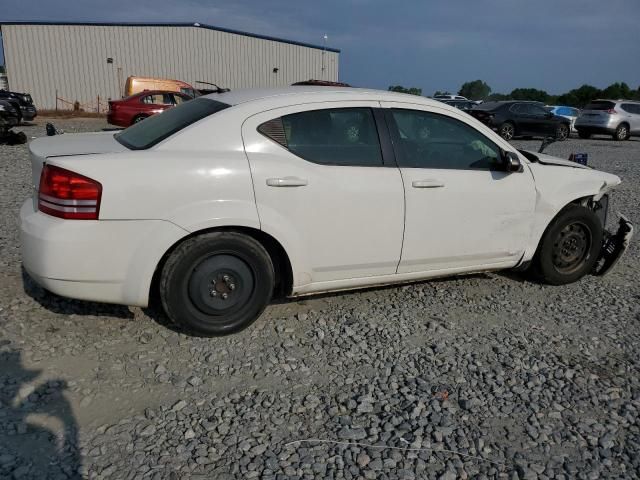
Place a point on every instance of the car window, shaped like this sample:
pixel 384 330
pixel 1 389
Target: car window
pixel 338 136
pixel 517 108
pixel 157 99
pixel 601 105
pixel 536 110
pixel 178 99
pixel 143 135
pixel 430 140
pixel 630 107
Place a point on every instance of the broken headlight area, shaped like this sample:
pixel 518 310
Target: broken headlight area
pixel 613 246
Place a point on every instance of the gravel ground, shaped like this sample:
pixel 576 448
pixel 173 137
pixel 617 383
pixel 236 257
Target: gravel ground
pixel 484 376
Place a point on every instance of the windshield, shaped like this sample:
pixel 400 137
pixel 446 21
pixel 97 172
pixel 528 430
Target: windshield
pixel 153 130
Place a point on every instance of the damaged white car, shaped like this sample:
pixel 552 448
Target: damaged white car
pixel 224 202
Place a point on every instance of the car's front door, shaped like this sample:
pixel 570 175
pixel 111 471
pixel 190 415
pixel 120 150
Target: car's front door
pixel 540 121
pixel 463 210
pixel 322 184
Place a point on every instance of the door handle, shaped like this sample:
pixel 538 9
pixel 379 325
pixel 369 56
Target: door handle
pixel 287 182
pixel 428 183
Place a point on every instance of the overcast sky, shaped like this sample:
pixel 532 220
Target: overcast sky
pixel 554 45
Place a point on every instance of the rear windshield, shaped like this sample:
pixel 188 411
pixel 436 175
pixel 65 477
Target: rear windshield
pixel 152 130
pixel 600 106
pixel 488 106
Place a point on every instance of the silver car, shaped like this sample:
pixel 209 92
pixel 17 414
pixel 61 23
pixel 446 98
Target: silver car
pixel 618 118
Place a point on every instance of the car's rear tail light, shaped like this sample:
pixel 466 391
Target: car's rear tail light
pixel 612 111
pixel 66 194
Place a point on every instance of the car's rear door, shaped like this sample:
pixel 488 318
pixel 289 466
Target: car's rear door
pixel 323 184
pixel 462 210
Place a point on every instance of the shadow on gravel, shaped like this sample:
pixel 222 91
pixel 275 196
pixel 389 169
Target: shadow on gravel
pixel 38 432
pixel 56 304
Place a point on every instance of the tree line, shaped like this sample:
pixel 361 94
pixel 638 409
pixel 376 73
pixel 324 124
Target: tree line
pixel 578 97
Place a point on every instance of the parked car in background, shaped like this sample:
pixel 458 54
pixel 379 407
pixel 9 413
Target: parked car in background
pixel 463 105
pixel 9 115
pixel 618 118
pixel 449 97
pixel 570 113
pixel 22 102
pixel 230 199
pixel 135 85
pixel 514 118
pixel 136 108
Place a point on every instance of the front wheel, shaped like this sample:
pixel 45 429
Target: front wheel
pixel 217 283
pixel 569 247
pixel 562 132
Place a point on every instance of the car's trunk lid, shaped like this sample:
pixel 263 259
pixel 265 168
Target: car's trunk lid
pixel 69 145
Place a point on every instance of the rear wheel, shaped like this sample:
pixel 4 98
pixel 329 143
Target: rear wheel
pixel 507 130
pixel 138 119
pixel 585 134
pixel 562 132
pixel 217 283
pixel 622 132
pixel 570 246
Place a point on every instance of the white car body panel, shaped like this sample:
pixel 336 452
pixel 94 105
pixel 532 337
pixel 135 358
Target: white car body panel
pixel 336 218
pixel 487 215
pixel 343 230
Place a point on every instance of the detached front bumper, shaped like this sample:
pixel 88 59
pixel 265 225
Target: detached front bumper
pixel 613 247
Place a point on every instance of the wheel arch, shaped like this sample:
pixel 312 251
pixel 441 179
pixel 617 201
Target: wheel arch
pixel 281 262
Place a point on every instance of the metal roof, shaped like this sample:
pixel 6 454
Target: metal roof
pixel 180 24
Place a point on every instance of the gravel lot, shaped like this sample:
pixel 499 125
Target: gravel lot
pixel 484 376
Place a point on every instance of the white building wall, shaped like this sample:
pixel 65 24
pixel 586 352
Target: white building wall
pixel 72 60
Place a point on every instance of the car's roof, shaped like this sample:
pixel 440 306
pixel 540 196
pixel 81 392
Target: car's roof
pixel 286 94
pixel 614 100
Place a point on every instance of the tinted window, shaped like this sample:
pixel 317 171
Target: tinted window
pixel 536 110
pixel 158 99
pixel 429 140
pixel 600 106
pixel 341 136
pixel 158 127
pixel 518 108
pixel 630 108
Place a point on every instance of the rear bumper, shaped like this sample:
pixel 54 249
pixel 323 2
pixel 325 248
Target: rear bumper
pixel 109 261
pixel 28 113
pixel 118 120
pixel 595 129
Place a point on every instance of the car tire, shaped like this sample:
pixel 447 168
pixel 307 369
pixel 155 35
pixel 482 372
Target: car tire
pixel 507 131
pixel 584 134
pixel 216 283
pixel 570 246
pixel 562 132
pixel 622 132
pixel 138 119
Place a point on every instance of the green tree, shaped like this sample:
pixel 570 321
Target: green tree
pixel 529 94
pixel 475 90
pixel 401 89
pixel 496 97
pixel 618 90
pixel 579 97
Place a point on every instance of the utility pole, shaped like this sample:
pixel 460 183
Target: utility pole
pixel 324 54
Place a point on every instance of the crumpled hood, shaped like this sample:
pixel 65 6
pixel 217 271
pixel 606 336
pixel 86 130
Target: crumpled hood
pixel 551 160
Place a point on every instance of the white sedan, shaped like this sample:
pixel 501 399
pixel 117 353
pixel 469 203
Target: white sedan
pixel 224 202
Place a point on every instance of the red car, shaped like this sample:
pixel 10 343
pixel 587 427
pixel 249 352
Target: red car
pixel 137 107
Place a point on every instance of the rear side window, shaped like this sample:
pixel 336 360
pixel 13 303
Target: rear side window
pixel 631 107
pixel 429 140
pixel 337 136
pixel 600 106
pixel 153 130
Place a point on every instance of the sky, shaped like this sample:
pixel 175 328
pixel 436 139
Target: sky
pixel 554 45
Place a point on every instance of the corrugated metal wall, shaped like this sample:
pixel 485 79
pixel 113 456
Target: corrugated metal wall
pixel 72 59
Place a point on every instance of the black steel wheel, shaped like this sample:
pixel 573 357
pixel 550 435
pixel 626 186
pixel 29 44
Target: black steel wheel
pixel 569 247
pixel 507 130
pixel 217 283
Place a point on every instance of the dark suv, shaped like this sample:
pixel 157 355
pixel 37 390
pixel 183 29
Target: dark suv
pixel 22 102
pixel 516 118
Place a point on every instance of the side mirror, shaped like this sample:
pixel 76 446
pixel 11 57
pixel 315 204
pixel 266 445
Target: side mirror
pixel 512 162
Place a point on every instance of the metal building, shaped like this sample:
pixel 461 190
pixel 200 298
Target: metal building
pixel 61 63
